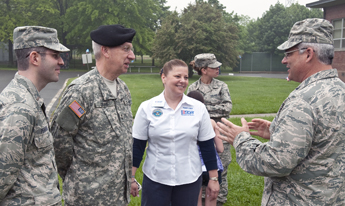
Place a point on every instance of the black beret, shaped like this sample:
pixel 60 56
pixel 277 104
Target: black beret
pixel 112 35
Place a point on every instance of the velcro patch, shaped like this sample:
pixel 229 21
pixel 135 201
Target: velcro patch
pixel 77 109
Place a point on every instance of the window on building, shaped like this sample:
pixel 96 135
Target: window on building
pixel 339 34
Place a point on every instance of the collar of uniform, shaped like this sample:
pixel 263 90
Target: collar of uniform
pixel 159 101
pixel 212 84
pixel 106 93
pixel 325 74
pixel 25 82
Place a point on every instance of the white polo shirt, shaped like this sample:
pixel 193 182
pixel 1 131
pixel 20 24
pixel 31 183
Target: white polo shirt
pixel 172 156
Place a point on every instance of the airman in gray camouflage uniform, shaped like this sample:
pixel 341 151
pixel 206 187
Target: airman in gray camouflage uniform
pixel 28 174
pixel 218 103
pixel 304 161
pixel 92 127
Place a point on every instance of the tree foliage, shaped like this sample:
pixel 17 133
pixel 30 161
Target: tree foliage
pixel 16 13
pixel 200 28
pixel 74 20
pixel 273 28
pixel 87 15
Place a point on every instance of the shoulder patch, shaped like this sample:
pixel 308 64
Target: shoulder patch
pixel 77 109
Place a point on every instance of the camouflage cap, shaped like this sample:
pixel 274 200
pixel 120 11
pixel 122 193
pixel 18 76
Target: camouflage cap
pixel 206 60
pixel 35 36
pixel 312 30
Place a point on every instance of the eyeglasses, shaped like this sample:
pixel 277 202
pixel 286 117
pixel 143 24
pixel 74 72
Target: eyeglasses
pixel 54 55
pixel 289 53
pixel 127 48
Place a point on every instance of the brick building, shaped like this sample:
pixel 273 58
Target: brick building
pixel 334 11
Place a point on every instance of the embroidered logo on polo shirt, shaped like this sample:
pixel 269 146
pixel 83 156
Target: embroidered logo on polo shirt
pixel 187 113
pixel 157 112
pixel 77 109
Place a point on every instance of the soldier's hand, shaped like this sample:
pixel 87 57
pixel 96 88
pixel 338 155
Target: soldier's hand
pixel 262 126
pixel 229 131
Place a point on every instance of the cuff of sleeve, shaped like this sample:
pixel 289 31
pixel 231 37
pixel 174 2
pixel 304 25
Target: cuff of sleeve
pixel 240 138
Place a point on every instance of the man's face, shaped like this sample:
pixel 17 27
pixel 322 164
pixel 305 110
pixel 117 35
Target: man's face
pixel 293 60
pixel 50 66
pixel 121 56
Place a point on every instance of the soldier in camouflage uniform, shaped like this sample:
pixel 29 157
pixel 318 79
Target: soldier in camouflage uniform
pixel 218 103
pixel 92 127
pixel 28 174
pixel 304 161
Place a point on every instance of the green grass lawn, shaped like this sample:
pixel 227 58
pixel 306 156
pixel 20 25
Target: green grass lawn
pixel 250 95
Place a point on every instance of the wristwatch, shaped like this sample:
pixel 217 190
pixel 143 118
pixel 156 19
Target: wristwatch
pixel 214 178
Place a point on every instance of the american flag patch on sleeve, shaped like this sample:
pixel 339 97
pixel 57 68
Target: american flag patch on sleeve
pixel 77 109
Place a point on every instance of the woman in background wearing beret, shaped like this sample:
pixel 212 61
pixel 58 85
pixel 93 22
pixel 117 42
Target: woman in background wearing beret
pixel 172 124
pixel 218 103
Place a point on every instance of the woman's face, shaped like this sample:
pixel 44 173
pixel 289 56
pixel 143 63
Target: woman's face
pixel 176 81
pixel 211 72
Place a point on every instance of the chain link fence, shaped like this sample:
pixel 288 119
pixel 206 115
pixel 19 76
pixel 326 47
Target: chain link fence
pixel 260 62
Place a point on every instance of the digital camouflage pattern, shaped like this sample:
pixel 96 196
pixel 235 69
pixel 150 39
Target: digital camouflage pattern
pixel 218 103
pixel 28 173
pixel 206 60
pixel 304 161
pixel 36 36
pixel 216 96
pixel 94 152
pixel 312 30
pixel 225 157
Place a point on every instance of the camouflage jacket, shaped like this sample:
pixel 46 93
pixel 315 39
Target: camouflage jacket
pixel 28 173
pixel 304 161
pixel 94 151
pixel 216 96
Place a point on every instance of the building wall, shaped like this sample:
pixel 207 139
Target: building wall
pixel 339 63
pixel 337 12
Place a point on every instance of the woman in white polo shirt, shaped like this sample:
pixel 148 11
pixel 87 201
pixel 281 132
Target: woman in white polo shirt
pixel 173 124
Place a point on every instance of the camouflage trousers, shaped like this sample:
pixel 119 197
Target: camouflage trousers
pixel 225 157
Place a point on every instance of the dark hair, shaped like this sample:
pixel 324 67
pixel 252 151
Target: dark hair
pixel 168 66
pixel 22 56
pixel 197 69
pixel 196 95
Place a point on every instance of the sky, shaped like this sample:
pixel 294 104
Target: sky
pixel 252 8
